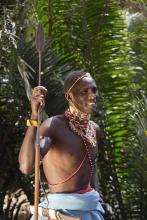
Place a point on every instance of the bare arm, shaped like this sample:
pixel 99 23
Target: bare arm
pixel 27 150
pixel 95 181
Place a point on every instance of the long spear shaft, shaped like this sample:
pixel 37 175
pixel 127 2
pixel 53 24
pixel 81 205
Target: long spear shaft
pixel 39 47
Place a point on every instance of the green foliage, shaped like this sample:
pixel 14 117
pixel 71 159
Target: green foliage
pixel 91 35
pixel 137 154
pixel 14 105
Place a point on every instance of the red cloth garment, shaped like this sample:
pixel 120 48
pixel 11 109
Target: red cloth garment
pixel 82 191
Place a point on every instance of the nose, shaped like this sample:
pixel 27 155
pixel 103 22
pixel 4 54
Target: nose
pixel 91 95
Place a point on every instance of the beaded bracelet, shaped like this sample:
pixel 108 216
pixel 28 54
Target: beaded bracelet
pixel 31 122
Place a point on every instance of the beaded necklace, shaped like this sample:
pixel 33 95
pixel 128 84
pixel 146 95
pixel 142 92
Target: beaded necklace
pixel 85 129
pixel 79 122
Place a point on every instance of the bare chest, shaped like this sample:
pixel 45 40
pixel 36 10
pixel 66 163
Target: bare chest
pixel 70 144
pixel 68 141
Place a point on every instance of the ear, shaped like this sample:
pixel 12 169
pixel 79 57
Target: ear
pixel 69 96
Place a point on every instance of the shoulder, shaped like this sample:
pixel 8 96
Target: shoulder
pixel 53 120
pixel 99 131
pixel 49 126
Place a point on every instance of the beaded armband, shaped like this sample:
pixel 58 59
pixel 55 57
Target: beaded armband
pixel 31 122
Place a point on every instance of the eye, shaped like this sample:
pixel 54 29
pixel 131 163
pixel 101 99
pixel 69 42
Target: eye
pixel 94 90
pixel 84 91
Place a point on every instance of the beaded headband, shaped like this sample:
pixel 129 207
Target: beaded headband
pixel 75 83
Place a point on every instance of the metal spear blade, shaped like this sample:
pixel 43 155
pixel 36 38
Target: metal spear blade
pixel 40 38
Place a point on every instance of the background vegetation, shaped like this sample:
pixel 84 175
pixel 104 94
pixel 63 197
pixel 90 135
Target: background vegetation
pixel 108 38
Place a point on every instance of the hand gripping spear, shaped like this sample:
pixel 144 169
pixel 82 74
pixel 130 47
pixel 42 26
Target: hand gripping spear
pixel 39 46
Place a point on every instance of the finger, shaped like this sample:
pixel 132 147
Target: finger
pixel 37 99
pixel 40 87
pixel 38 93
pixel 42 102
pixel 39 90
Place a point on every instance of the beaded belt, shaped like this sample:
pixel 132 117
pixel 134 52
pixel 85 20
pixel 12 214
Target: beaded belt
pixel 53 214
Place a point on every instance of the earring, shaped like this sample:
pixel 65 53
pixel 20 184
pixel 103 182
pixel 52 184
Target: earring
pixel 71 103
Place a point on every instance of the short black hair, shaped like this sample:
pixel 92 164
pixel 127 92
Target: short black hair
pixel 71 77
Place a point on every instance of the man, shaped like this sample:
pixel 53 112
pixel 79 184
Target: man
pixel 68 150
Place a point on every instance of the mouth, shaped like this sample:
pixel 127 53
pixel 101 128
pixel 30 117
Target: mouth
pixel 92 103
pixel 91 106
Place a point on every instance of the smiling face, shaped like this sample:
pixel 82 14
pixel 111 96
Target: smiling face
pixel 84 95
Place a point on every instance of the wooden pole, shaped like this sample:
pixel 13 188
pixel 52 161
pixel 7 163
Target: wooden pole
pixel 39 47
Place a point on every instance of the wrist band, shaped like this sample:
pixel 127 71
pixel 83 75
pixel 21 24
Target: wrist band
pixel 31 122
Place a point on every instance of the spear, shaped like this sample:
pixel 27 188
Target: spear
pixel 39 47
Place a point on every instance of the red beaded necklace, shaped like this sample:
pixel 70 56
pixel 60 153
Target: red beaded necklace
pixel 85 129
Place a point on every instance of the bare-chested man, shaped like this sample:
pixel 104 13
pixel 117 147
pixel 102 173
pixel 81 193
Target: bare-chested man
pixel 68 149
